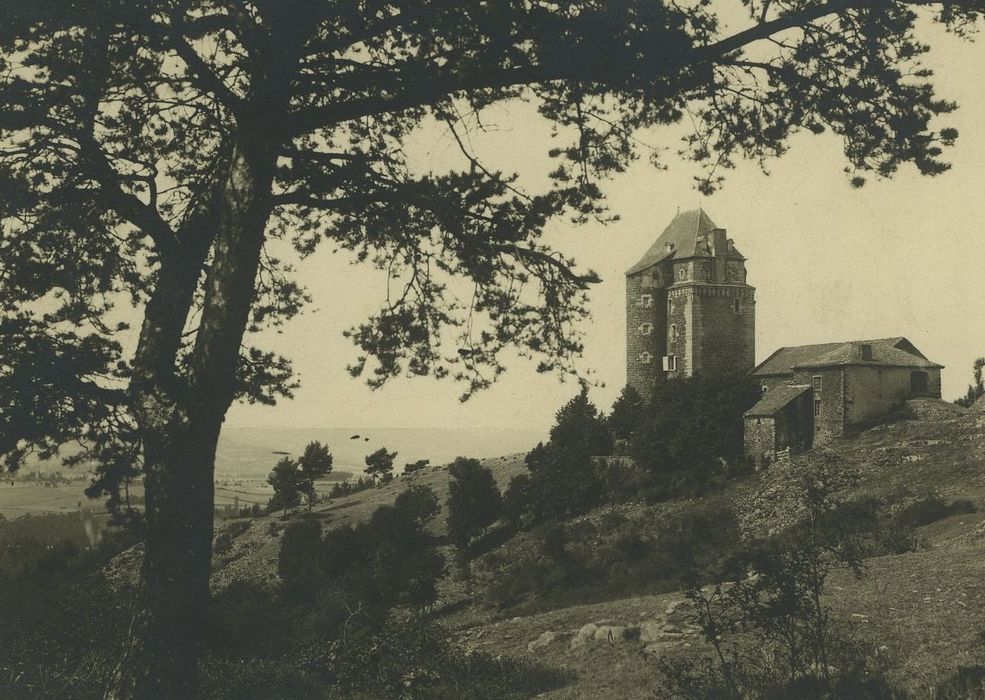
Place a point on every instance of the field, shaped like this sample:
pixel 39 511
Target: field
pixel 245 457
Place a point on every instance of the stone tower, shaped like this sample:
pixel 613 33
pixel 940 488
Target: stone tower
pixel 688 307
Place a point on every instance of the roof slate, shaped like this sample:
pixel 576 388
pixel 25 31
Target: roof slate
pixel 682 232
pixel 777 398
pixel 888 352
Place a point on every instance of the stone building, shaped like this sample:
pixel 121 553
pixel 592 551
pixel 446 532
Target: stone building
pixel 689 309
pixel 812 393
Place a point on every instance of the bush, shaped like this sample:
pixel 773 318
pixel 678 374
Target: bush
pixel 299 561
pixel 224 538
pixel 411 467
pixel 931 509
pixel 578 562
pixel 967 683
pixel 419 503
pixel 387 561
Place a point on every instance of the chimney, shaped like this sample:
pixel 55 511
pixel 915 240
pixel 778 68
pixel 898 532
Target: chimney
pixel 719 243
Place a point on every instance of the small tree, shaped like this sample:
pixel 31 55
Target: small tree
pixel 286 481
pixel 315 463
pixel 977 389
pixel 772 592
pixel 626 414
pixel 580 427
pixel 380 463
pixel 474 502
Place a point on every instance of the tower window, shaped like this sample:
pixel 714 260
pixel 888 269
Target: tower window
pixel 646 300
pixel 670 363
pixel 673 331
pixel 645 358
pixel 646 328
pixel 737 306
pixel 817 408
pixel 816 380
pixel 681 273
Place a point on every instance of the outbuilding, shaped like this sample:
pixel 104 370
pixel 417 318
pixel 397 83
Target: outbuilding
pixel 813 393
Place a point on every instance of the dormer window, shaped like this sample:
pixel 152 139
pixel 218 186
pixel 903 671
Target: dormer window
pixel 866 351
pixel 646 328
pixel 646 300
pixel 645 358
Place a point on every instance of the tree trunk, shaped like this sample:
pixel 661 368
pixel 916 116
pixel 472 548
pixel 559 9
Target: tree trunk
pixel 180 423
pixel 161 660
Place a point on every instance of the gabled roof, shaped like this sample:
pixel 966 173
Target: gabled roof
pixel 887 352
pixel 683 233
pixel 776 398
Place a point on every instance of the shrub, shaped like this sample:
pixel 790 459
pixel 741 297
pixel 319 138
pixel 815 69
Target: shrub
pixel 299 561
pixel 931 509
pixel 419 503
pixel 224 538
pixel 387 561
pixel 967 683
pixel 411 467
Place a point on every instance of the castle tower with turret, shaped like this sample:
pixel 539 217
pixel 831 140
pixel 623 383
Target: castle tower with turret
pixel 688 308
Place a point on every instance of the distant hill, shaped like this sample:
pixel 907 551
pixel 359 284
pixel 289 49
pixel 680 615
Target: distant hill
pixel 250 452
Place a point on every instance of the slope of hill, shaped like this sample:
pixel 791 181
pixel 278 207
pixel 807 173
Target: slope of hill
pixel 923 611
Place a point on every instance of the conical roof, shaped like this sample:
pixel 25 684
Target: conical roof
pixel 683 234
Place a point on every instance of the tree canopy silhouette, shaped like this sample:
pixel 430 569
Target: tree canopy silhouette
pixel 150 152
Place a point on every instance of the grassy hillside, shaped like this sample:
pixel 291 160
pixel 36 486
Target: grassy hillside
pixel 921 612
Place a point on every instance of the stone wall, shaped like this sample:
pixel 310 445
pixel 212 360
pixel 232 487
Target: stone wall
pixel 830 420
pixel 875 391
pixel 640 375
pixel 725 323
pixel 759 439
pixel 681 329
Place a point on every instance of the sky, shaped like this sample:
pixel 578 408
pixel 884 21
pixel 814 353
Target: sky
pixel 829 263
